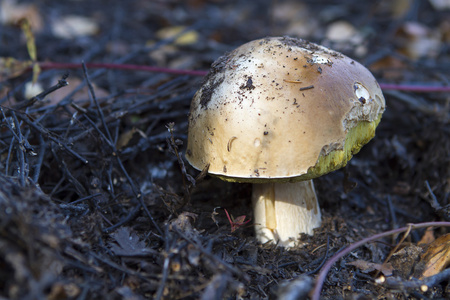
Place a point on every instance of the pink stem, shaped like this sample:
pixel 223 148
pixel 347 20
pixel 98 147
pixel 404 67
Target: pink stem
pixel 384 86
pixel 326 268
pixel 52 65
pixel 414 88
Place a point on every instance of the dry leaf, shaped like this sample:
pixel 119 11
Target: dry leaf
pixel 418 40
pixel 428 237
pixel 126 137
pixel 127 243
pixel 390 68
pixel 80 96
pixel 400 7
pixel 367 267
pixel 11 12
pixel 31 47
pixel 440 4
pixel 295 19
pixel 11 67
pixel 437 256
pixel 183 223
pixel 32 89
pixel 69 27
pixel 187 38
pixel 345 37
pixel 340 31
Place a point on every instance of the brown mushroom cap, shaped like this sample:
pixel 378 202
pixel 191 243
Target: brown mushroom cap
pixel 282 108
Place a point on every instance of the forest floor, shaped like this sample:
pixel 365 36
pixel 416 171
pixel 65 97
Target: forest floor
pixel 94 200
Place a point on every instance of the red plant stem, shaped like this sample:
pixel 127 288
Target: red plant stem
pixel 384 86
pixel 415 88
pixel 326 268
pixel 52 65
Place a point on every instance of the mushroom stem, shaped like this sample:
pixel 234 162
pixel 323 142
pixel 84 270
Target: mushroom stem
pixel 284 210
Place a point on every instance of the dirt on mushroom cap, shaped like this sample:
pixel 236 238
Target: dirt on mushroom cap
pixel 282 108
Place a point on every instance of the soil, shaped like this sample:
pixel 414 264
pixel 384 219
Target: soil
pixel 98 202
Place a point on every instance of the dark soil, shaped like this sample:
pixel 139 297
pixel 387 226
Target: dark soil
pixel 96 200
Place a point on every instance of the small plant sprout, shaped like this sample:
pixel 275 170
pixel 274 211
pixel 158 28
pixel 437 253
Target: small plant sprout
pixel 236 223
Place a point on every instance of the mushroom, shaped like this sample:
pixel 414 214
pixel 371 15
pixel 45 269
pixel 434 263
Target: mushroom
pixel 278 112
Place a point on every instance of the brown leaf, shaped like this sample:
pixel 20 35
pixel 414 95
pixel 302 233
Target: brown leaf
pixel 127 243
pixel 184 223
pixel 417 40
pixel 367 267
pixel 11 67
pixel 80 97
pixel 188 38
pixel 11 12
pixel 390 68
pixel 427 237
pixel 126 137
pixel 437 256
pixel 72 26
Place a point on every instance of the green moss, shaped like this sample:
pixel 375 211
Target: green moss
pixel 356 137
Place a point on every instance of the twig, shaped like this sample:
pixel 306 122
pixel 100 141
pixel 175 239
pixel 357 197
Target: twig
pixel 172 143
pixel 131 215
pixel 423 284
pixel 97 106
pixel 85 198
pixel 47 133
pixel 21 142
pixel 139 197
pixel 40 159
pixel 108 139
pixel 165 272
pixel 326 268
pixel 433 201
pixel 61 83
pixel 323 261
pixel 392 212
pixel 129 56
pixel 393 251
pixel 219 262
pixel 443 212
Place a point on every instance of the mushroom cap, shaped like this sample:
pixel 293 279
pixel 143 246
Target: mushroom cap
pixel 282 108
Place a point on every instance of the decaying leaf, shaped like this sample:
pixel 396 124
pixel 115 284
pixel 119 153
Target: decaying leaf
pixel 367 267
pixel 428 237
pixel 72 26
pixel 11 67
pixel 11 12
pixel 437 256
pixel 126 138
pixel 188 38
pixel 31 47
pixel 32 89
pixel 418 40
pixel 340 31
pixel 127 243
pixel 440 4
pixel 80 97
pixel 183 223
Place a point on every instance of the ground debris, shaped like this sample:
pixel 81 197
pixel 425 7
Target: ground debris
pixel 367 267
pixel 97 202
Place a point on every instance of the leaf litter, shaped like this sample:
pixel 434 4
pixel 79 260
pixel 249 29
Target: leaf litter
pixel 83 216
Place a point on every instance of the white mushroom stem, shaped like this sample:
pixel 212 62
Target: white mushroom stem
pixel 284 210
